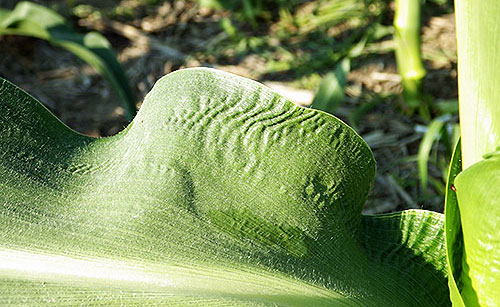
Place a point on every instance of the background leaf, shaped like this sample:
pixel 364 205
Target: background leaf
pixel 331 90
pixel 220 192
pixel 432 133
pixel 30 19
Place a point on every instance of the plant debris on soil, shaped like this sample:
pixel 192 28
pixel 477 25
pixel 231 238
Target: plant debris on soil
pixel 153 38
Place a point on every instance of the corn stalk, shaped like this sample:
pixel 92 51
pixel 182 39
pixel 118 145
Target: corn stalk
pixel 472 210
pixel 408 57
pixel 478 43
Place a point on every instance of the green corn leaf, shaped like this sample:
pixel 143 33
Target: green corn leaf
pixel 220 192
pixel 432 133
pixel 453 229
pixel 30 19
pixel 4 13
pixel 331 90
pixel 478 194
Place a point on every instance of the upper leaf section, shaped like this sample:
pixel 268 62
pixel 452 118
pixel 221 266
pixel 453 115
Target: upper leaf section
pixel 208 143
pixel 245 133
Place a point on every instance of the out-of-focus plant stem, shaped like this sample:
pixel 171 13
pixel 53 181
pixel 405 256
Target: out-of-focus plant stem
pixel 408 57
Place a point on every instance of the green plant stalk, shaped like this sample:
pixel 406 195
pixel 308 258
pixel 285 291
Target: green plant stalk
pixel 472 215
pixel 408 57
pixel 478 45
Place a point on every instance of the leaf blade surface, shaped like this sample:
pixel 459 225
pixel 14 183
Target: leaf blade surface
pixel 218 182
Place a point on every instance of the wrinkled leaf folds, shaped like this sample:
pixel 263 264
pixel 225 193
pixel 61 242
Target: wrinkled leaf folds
pixel 220 192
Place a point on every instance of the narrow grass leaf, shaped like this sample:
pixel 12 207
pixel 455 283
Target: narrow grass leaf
pixel 331 90
pixel 424 150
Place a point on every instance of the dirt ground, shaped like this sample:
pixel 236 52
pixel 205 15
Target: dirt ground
pixel 80 97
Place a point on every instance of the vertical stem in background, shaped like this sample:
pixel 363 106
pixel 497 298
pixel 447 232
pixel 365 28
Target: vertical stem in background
pixel 408 58
pixel 478 48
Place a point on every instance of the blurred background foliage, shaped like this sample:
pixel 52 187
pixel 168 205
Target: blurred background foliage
pixel 336 54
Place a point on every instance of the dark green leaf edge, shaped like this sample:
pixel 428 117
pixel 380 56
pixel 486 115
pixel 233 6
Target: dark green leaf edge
pixel 412 242
pixel 453 232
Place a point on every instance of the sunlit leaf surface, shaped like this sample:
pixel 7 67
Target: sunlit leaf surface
pixel 478 195
pixel 478 43
pixel 220 192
